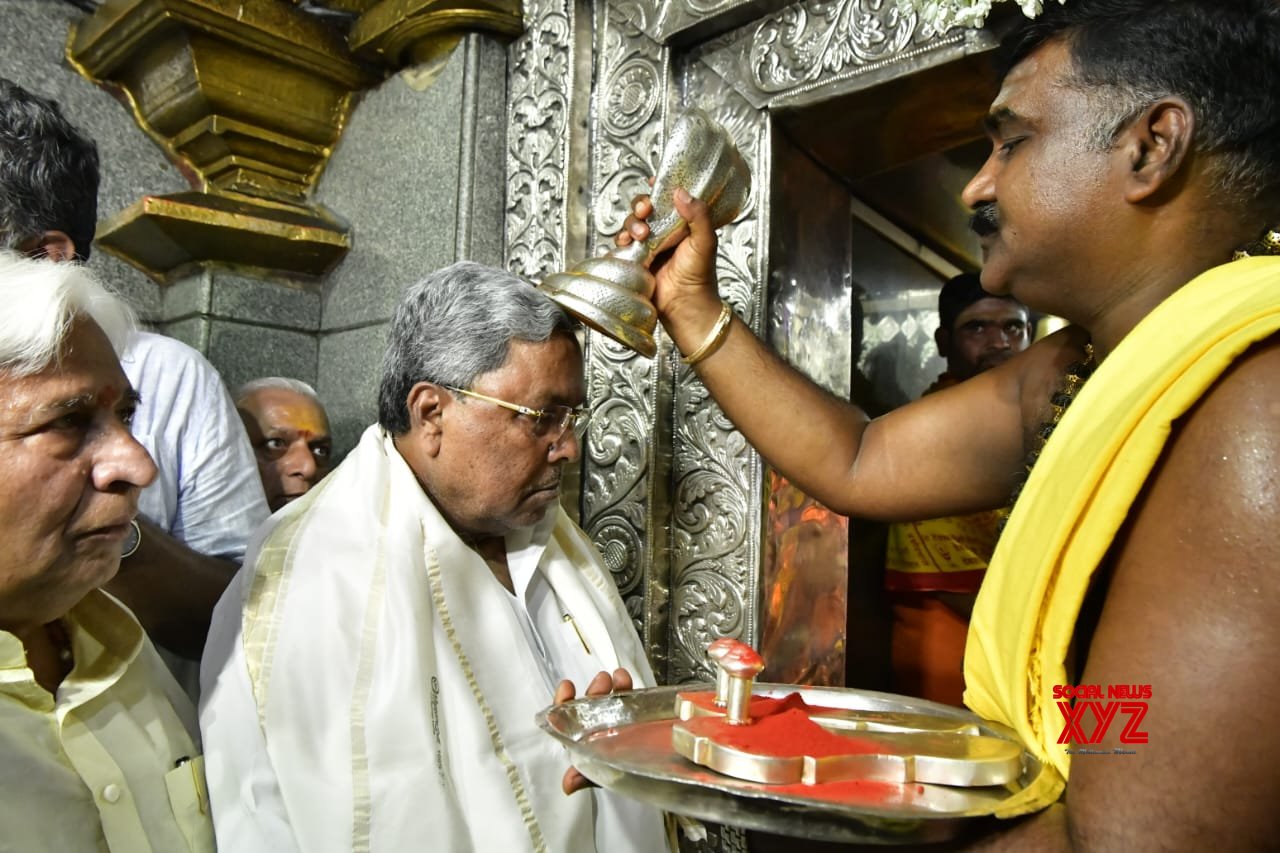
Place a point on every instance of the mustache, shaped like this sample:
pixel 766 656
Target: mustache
pixel 985 219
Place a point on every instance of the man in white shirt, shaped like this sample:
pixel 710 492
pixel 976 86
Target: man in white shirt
pixel 98 748
pixel 373 673
pixel 197 517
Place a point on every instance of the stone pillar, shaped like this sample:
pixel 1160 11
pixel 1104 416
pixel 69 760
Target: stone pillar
pixel 248 327
pixel 420 178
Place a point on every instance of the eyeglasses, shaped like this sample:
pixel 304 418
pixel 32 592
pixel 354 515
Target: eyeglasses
pixel 551 421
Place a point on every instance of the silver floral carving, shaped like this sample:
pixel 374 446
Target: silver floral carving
pixel 695 9
pixel 806 41
pixel 630 97
pixel 642 15
pixel 679 15
pixel 714 552
pixel 622 449
pixel 716 536
pixel 627 143
pixel 537 139
pixel 815 49
pixel 616 467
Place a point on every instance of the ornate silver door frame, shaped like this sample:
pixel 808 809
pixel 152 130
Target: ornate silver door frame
pixel 672 495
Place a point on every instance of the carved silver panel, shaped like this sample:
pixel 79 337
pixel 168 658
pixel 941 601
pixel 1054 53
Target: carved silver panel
pixel 624 495
pixel 665 20
pixel 671 493
pixel 803 43
pixel 539 110
pixel 814 50
pixel 677 16
pixel 642 15
pixel 716 520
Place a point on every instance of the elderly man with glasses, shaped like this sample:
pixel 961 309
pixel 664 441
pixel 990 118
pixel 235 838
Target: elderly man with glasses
pixel 372 675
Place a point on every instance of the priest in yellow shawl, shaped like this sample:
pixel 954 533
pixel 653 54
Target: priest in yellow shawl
pixel 1133 189
pixel 373 673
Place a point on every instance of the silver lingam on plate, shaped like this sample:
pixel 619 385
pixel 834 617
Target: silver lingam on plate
pixel 613 293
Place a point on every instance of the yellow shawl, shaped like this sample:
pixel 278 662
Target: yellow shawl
pixel 1080 491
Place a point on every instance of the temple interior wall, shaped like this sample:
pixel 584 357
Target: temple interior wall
pixel 418 177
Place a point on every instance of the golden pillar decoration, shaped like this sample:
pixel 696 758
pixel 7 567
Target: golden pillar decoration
pixel 249 97
pixel 399 33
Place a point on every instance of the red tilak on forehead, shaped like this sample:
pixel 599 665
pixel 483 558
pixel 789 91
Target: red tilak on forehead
pixel 303 420
pixel 290 433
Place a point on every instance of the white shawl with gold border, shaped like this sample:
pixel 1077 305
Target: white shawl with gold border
pixel 393 687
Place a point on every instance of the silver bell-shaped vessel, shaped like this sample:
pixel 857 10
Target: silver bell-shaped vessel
pixel 613 294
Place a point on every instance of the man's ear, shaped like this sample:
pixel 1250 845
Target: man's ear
pixel 53 245
pixel 1157 145
pixel 425 404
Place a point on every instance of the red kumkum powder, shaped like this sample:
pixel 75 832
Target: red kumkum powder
pixel 784 734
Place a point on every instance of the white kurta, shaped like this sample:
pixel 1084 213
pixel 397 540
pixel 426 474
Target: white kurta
pixel 369 685
pixel 207 493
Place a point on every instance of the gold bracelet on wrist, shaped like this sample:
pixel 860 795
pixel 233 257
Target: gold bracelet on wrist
pixel 714 338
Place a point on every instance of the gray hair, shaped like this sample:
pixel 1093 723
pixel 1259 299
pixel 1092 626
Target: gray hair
pixel 42 300
pixel 455 325
pixel 281 383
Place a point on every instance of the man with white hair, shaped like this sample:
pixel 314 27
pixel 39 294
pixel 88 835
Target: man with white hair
pixel 98 745
pixel 289 431
pixel 196 518
pixel 373 673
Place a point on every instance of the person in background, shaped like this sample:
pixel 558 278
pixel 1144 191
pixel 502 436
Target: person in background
pixel 195 520
pixel 289 431
pixel 977 330
pixel 98 745
pixel 933 568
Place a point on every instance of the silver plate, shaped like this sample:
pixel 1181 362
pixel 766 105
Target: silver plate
pixel 623 742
